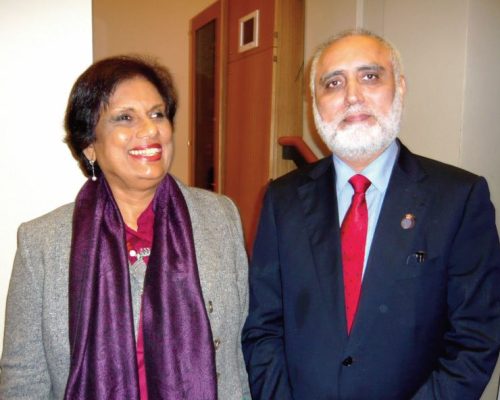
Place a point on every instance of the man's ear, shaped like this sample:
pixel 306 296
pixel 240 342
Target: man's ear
pixel 89 152
pixel 402 85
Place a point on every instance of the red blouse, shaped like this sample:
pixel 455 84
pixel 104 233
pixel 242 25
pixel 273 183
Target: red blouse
pixel 136 242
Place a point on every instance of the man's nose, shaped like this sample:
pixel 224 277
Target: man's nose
pixel 354 93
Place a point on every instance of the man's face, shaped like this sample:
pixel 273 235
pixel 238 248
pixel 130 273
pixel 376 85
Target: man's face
pixel 357 102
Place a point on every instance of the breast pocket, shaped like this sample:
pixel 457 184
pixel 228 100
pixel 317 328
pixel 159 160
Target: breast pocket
pixel 420 263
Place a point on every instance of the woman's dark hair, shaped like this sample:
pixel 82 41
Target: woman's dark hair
pixel 93 89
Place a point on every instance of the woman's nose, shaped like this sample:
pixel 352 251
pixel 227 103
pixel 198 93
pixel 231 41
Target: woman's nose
pixel 148 128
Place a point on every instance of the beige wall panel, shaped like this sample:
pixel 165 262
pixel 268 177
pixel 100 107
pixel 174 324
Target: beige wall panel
pixel 431 38
pixel 481 129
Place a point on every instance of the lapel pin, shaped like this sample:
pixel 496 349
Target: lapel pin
pixel 408 221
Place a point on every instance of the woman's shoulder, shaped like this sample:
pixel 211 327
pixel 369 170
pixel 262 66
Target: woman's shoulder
pixel 59 219
pixel 205 200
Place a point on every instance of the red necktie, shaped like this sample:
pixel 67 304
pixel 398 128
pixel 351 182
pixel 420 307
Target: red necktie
pixel 353 238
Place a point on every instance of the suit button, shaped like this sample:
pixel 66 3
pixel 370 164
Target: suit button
pixel 216 344
pixel 347 362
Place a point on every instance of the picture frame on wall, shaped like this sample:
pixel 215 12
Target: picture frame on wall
pixel 249 31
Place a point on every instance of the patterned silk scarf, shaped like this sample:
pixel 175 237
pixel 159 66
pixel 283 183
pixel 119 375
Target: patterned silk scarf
pixel 179 354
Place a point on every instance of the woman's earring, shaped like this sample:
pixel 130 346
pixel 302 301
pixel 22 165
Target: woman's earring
pixel 94 178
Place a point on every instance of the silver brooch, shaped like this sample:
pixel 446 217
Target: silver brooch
pixel 144 252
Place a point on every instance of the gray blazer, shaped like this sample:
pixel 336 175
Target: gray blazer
pixel 35 360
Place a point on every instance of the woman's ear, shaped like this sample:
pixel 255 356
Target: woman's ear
pixel 89 153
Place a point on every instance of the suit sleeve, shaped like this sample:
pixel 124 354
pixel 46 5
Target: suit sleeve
pixel 24 373
pixel 472 339
pixel 263 344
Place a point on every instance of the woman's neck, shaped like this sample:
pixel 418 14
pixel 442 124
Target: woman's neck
pixel 132 204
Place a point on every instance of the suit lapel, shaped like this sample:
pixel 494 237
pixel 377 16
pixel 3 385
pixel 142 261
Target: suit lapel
pixel 319 205
pixel 391 243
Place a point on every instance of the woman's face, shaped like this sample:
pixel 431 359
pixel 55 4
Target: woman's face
pixel 133 145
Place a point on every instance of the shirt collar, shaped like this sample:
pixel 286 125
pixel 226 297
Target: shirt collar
pixel 378 171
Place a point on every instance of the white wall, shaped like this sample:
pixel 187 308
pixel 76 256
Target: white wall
pixel 44 46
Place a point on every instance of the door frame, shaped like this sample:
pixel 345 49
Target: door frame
pixel 213 12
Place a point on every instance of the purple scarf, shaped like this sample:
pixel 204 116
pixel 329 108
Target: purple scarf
pixel 178 347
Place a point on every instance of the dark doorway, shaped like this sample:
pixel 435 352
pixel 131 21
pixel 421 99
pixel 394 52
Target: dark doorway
pixel 205 98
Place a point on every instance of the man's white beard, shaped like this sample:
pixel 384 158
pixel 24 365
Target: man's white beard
pixel 360 141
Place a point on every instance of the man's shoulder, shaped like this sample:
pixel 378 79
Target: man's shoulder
pixel 421 168
pixel 303 175
pixel 443 172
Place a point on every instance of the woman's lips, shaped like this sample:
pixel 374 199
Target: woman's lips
pixel 148 153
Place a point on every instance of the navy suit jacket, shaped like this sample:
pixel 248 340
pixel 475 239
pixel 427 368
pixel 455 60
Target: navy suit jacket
pixel 427 327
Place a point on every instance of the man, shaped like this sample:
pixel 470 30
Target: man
pixel 383 286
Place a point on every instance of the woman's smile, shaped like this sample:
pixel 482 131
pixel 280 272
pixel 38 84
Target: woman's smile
pixel 146 153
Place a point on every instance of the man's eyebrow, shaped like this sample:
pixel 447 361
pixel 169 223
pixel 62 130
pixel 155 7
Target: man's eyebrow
pixel 340 72
pixel 371 67
pixel 330 74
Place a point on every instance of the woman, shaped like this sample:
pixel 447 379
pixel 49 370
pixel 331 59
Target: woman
pixel 138 289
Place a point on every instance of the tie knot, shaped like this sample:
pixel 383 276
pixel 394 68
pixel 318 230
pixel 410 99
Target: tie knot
pixel 360 183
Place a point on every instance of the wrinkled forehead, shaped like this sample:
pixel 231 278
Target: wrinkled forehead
pixel 352 52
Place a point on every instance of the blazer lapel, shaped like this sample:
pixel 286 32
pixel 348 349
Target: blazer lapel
pixel 391 242
pixel 319 205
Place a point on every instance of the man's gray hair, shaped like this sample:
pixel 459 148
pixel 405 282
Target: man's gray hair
pixel 397 66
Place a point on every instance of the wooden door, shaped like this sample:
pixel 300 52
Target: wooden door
pixel 248 113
